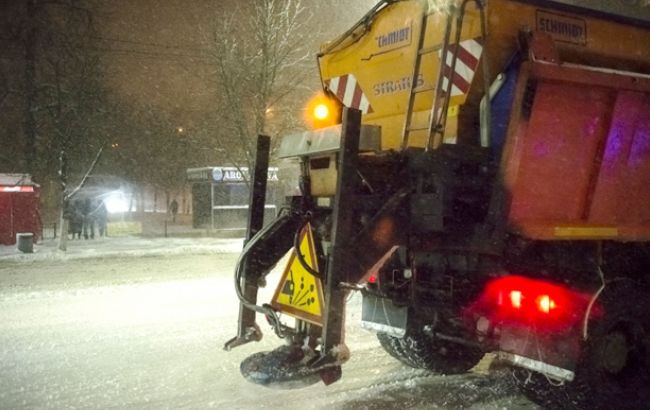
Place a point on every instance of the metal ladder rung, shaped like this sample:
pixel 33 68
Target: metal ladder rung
pixel 414 90
pixel 418 129
pixel 428 50
pixel 424 89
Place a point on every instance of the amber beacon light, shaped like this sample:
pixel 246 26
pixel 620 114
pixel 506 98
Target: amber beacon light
pixel 323 111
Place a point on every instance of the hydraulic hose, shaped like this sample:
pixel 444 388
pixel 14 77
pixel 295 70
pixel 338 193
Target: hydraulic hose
pixel 300 256
pixel 265 310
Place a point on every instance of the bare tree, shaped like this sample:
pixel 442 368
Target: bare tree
pixel 260 59
pixel 57 92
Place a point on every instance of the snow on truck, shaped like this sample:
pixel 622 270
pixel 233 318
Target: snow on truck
pixel 487 190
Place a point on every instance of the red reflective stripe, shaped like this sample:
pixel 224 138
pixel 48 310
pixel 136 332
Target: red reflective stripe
pixel 343 83
pixel 458 81
pixel 467 58
pixel 356 98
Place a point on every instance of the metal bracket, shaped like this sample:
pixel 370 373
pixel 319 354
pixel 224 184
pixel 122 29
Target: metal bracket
pixel 250 334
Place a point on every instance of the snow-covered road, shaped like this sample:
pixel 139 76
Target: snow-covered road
pixel 146 330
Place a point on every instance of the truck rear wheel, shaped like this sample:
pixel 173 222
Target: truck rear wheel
pixel 421 351
pixel 393 346
pixel 614 371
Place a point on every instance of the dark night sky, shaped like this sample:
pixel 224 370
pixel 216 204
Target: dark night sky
pixel 156 52
pixel 158 56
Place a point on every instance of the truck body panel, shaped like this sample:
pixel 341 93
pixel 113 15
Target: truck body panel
pixel 374 60
pixel 561 194
pixel 578 161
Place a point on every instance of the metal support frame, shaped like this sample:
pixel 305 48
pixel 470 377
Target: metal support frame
pixel 247 328
pixel 338 268
pixel 258 187
pixel 212 205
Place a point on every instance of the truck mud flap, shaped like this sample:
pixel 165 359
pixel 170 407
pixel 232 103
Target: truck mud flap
pixel 554 372
pixel 382 315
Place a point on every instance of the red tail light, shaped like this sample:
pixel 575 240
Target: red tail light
pixel 515 299
pixel 372 278
pixel 523 301
pixel 545 304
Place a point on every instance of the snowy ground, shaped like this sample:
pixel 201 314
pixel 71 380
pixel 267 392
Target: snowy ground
pixel 140 323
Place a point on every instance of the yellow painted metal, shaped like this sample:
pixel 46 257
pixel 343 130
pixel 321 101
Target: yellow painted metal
pixel 382 57
pixel 585 232
pixel 601 43
pixel 383 68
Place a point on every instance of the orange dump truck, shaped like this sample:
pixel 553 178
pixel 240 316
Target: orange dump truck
pixel 488 190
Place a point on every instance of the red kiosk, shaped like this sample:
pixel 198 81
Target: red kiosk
pixel 19 207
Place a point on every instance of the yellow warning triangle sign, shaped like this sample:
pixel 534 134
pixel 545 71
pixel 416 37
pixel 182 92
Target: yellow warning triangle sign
pixel 299 293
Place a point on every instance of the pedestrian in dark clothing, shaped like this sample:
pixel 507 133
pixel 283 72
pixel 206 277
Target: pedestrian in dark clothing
pixel 173 208
pixel 88 220
pixel 101 216
pixel 75 218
